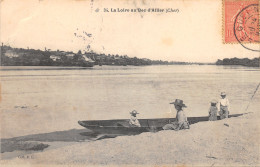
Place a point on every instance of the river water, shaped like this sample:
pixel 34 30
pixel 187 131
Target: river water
pixel 46 99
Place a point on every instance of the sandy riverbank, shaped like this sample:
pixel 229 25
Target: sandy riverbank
pixel 229 142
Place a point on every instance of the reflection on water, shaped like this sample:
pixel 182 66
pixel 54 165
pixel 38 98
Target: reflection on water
pixel 45 99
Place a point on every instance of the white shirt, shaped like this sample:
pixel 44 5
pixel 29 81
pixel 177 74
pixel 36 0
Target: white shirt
pixel 181 117
pixel 134 121
pixel 223 102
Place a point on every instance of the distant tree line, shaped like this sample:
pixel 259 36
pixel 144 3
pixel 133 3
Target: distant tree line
pixel 243 62
pixel 31 57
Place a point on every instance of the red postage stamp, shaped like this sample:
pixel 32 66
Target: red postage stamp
pixel 241 21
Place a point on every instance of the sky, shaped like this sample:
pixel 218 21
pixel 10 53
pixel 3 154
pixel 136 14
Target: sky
pixel 194 34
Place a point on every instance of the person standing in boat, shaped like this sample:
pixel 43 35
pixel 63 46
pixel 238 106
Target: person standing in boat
pixel 223 106
pixel 181 119
pixel 213 111
pixel 133 120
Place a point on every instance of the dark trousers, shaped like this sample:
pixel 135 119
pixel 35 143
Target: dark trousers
pixel 223 113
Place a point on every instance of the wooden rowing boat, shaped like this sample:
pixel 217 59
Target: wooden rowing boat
pixel 122 126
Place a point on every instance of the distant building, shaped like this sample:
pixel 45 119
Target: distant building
pixel 117 57
pixel 55 58
pixel 87 59
pixel 11 54
pixel 70 55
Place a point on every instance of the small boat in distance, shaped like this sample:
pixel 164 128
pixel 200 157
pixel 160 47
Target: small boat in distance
pixel 122 126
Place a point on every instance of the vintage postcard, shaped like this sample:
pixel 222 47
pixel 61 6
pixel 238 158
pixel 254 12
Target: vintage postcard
pixel 129 83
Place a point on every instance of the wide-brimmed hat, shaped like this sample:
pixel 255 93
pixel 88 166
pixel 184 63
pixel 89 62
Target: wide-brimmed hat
pixel 214 101
pixel 223 94
pixel 179 102
pixel 134 112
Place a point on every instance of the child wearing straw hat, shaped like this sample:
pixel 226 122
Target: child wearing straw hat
pixel 223 106
pixel 133 120
pixel 181 119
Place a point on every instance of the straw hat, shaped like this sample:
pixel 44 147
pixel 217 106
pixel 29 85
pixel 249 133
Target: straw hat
pixel 179 102
pixel 223 94
pixel 134 112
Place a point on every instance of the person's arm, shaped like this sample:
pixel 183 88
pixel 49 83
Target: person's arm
pixel 218 105
pixel 177 116
pixel 131 121
pixel 138 123
pixel 135 122
pixel 186 119
pixel 228 106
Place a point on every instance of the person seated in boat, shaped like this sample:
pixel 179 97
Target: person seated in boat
pixel 133 120
pixel 213 111
pixel 181 119
pixel 223 106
